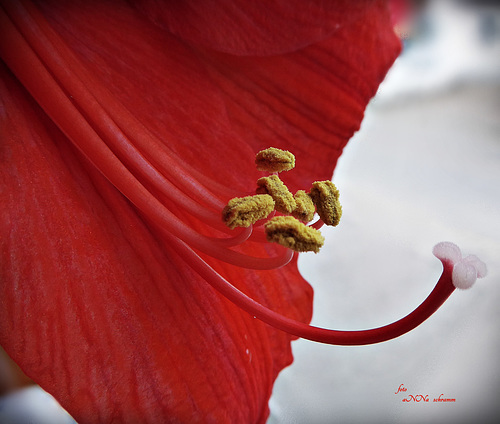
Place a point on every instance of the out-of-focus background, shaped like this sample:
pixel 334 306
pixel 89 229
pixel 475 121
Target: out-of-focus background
pixel 424 168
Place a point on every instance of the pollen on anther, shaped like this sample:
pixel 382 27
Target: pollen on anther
pixel 274 160
pixel 245 211
pixel 273 186
pixel 304 210
pixel 325 196
pixel 291 233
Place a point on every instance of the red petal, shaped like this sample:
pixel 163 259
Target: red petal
pixel 93 305
pixel 103 316
pixel 249 28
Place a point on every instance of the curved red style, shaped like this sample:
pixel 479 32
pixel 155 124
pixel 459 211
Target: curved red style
pixel 123 136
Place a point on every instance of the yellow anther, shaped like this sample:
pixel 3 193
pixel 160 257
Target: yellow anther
pixel 283 199
pixel 244 211
pixel 274 160
pixel 289 232
pixel 305 206
pixel 325 196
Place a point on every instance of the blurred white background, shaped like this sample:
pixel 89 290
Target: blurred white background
pixel 424 168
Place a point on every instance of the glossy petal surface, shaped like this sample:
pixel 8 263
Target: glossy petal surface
pixel 94 305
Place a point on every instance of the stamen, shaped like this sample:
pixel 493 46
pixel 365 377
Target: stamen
pixel 274 160
pixel 289 232
pixel 245 211
pixel 305 206
pixel 273 186
pixel 326 198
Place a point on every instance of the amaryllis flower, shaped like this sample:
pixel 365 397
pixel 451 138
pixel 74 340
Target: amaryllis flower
pixel 126 127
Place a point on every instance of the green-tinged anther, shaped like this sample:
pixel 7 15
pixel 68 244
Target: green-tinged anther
pixel 274 160
pixel 304 211
pixel 245 211
pixel 325 196
pixel 273 186
pixel 291 233
pixel 274 195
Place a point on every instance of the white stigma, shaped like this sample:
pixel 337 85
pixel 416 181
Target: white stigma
pixel 465 270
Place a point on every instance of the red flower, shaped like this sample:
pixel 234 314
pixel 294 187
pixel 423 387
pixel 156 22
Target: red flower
pixel 125 130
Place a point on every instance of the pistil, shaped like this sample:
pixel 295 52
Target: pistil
pixel 443 289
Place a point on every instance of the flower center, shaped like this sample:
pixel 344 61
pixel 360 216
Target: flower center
pixel 273 194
